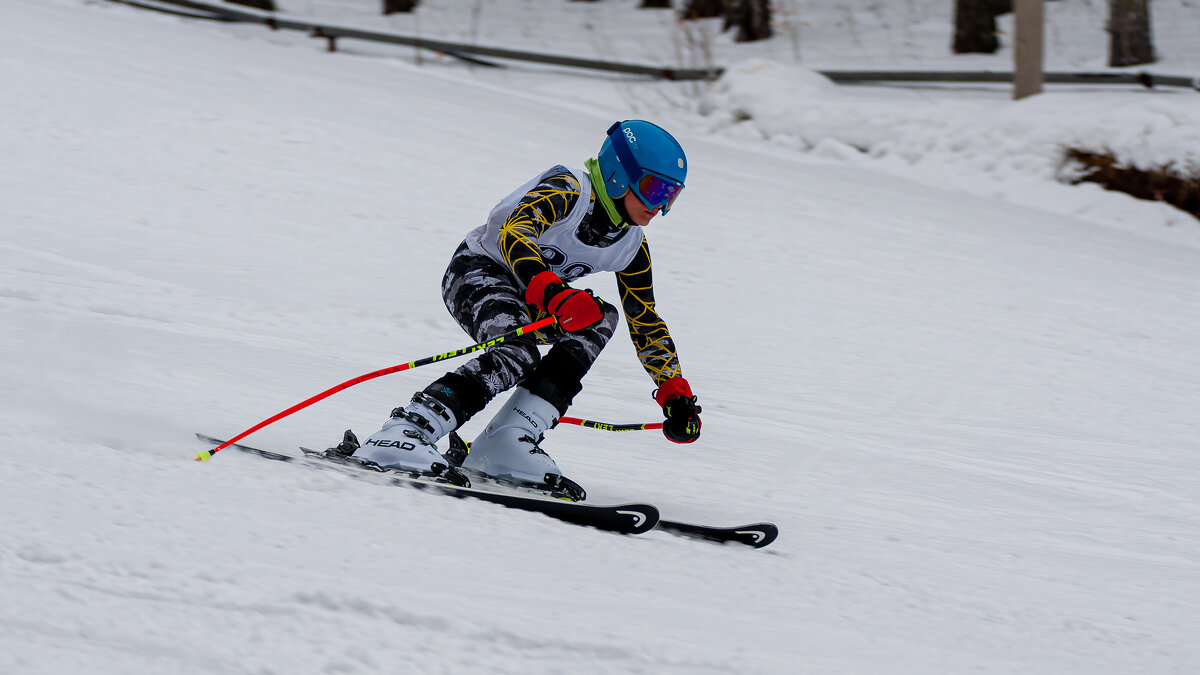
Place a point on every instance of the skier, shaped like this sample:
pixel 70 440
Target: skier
pixel 560 226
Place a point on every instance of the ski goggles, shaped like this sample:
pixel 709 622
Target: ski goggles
pixel 656 191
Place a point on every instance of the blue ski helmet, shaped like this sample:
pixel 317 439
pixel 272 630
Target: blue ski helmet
pixel 643 157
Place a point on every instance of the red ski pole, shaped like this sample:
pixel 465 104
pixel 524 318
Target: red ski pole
pixel 605 426
pixel 204 455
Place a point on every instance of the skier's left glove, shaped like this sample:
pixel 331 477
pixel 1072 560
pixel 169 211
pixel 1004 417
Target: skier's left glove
pixel 679 407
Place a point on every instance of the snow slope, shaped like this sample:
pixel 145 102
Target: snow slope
pixel 973 420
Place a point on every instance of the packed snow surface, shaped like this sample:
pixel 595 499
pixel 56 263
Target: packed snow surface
pixel 965 392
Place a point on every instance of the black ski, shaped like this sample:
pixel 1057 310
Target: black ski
pixel 757 535
pixel 621 518
pixel 277 456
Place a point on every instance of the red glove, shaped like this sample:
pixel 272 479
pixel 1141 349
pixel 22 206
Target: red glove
pixel 679 407
pixel 575 309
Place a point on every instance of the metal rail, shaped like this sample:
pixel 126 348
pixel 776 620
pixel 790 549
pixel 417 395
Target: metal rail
pixel 158 6
pixel 986 76
pixel 470 53
pixel 455 49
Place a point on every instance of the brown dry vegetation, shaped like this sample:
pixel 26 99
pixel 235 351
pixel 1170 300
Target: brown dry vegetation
pixel 1167 184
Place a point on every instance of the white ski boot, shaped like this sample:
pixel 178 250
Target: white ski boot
pixel 408 440
pixel 508 451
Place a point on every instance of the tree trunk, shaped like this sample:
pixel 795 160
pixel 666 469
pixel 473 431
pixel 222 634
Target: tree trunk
pixel 1129 26
pixel 703 9
pixel 998 7
pixel 752 18
pixel 399 6
pixel 1028 72
pixel 268 5
pixel 974 27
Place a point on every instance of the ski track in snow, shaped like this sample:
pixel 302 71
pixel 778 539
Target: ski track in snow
pixel 973 420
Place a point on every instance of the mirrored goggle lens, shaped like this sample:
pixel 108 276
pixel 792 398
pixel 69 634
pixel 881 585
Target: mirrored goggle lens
pixel 656 191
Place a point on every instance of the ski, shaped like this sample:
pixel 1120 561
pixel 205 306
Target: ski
pixel 757 535
pixel 630 518
pixel 277 456
pixel 633 518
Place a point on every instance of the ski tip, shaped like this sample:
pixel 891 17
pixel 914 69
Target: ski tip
pixel 757 535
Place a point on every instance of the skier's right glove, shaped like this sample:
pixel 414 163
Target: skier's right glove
pixel 679 407
pixel 575 309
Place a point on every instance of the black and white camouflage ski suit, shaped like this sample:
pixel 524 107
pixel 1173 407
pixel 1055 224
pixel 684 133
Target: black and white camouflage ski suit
pixel 554 223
